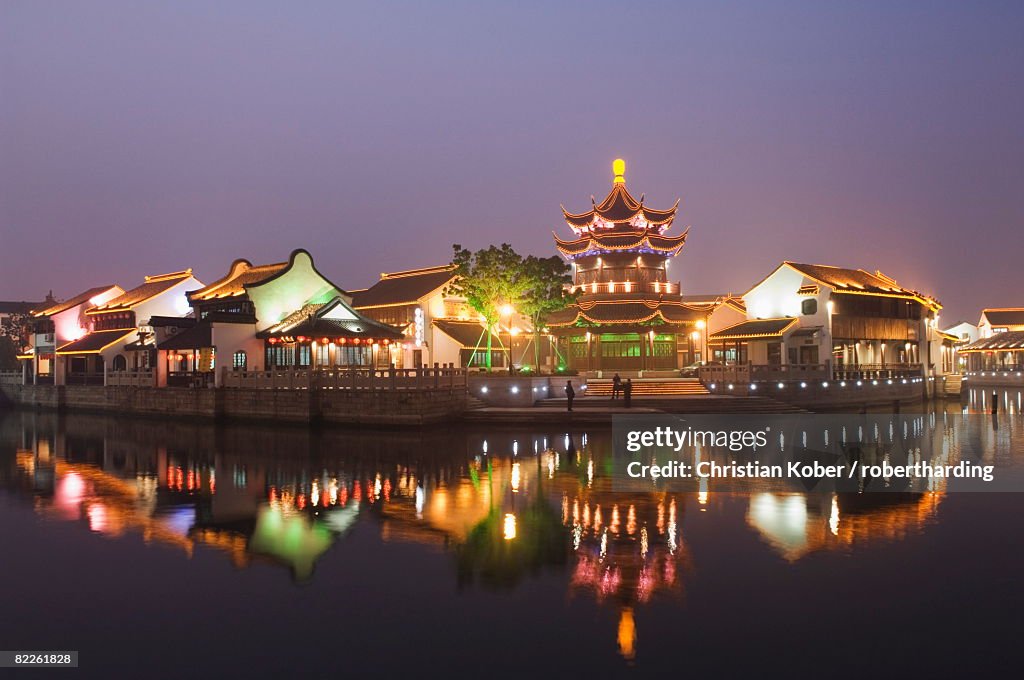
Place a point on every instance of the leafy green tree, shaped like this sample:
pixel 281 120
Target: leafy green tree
pixel 496 279
pixel 545 293
pixel 489 279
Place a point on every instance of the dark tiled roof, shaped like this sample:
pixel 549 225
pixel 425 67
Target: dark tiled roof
pixel 1008 341
pixel 309 322
pixel 175 321
pixel 844 280
pixel 467 333
pixel 196 337
pixel 81 298
pixel 755 328
pixel 12 307
pixel 241 274
pixel 403 287
pixel 95 341
pixel 153 286
pixel 1004 317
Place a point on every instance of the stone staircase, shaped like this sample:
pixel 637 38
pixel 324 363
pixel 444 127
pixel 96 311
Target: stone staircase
pixel 643 387
pixel 472 403
pixel 950 385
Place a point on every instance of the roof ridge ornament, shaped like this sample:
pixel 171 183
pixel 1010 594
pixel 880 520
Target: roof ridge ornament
pixel 619 171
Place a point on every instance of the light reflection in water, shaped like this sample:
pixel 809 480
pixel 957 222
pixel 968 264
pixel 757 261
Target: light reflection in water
pixel 286 498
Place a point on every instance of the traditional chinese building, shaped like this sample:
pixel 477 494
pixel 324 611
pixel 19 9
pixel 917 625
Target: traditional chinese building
pixel 439 327
pixel 283 315
pixel 56 324
pixel 629 316
pixel 118 326
pixel 808 315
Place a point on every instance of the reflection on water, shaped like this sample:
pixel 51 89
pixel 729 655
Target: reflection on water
pixel 508 507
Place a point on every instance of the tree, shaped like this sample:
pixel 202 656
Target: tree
pixel 545 292
pixel 497 280
pixel 490 280
pixel 13 340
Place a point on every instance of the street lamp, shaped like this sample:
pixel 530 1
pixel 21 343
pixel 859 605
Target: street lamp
pixel 702 326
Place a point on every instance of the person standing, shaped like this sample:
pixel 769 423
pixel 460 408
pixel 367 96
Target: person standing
pixel 627 392
pixel 616 386
pixel 570 393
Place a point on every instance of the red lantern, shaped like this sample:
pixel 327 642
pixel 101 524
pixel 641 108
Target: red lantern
pixel 302 338
pixel 386 342
pixel 272 341
pixel 341 341
pixel 325 340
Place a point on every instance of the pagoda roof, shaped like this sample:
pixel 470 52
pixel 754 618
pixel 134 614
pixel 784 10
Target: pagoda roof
pixel 241 274
pixel 602 312
pixel 403 288
pixel 610 241
pixel 620 207
pixel 81 298
pixel 154 285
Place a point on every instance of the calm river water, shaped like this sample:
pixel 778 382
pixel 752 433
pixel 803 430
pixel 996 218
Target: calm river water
pixel 175 549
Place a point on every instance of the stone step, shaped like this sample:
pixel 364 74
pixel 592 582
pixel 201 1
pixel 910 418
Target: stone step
pixel 671 386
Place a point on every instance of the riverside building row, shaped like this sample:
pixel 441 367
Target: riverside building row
pixel 629 316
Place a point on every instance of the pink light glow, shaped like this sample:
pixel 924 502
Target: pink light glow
pixel 68 495
pixel 98 517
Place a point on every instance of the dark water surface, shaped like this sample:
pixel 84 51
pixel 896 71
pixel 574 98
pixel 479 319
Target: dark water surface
pixel 164 549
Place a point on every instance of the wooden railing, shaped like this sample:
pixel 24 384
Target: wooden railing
pixel 10 377
pixel 348 379
pixel 754 373
pixel 876 371
pixel 144 377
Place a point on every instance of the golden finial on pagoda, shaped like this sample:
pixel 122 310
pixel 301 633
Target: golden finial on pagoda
pixel 619 170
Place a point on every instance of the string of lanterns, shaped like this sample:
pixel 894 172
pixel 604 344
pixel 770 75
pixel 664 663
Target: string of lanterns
pixel 303 339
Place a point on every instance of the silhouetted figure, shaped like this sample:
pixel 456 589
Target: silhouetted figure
pixel 995 403
pixel 616 386
pixel 627 392
pixel 570 393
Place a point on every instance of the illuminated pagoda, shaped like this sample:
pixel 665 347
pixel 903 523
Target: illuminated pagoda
pixel 628 315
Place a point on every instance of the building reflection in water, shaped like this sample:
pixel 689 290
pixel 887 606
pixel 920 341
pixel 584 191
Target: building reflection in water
pixel 507 506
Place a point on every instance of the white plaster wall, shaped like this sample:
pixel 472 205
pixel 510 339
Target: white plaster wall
pixel 229 338
pixel 171 302
pixel 299 285
pixel 777 297
pixel 963 328
pixel 443 349
pixel 723 316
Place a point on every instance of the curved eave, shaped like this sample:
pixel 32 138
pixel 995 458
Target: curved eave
pixel 586 314
pixel 620 207
pixel 582 318
pixel 598 243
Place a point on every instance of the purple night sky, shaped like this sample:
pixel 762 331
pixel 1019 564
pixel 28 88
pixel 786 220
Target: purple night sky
pixel 138 137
